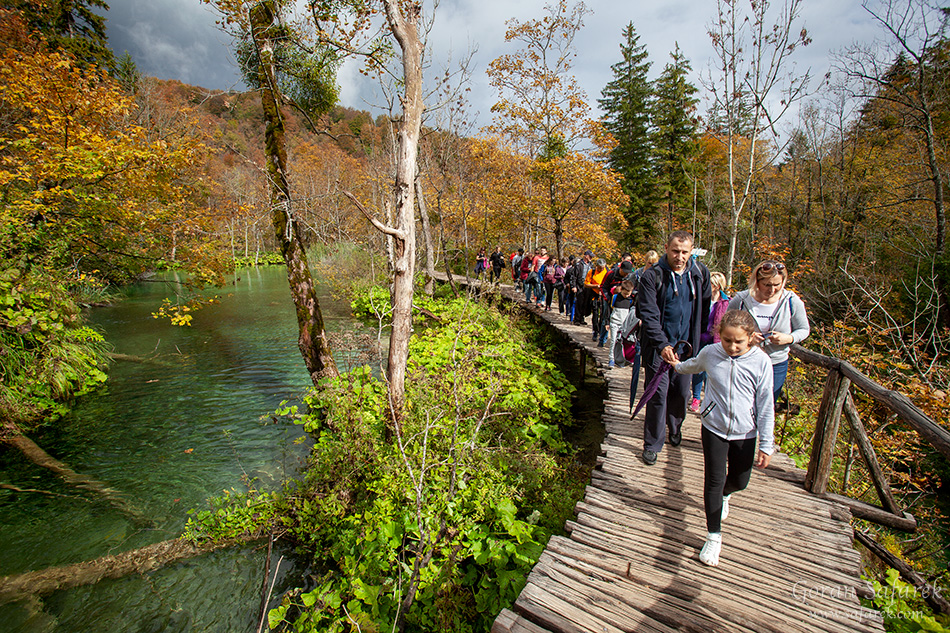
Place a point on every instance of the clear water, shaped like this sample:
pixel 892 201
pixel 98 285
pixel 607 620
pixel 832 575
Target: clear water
pixel 167 435
pixel 170 435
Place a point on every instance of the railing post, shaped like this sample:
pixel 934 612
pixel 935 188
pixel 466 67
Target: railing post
pixel 826 432
pixel 860 436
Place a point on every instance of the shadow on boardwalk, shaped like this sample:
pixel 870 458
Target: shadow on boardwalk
pixel 631 560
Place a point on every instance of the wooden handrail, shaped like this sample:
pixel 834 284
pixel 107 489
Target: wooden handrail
pixel 897 402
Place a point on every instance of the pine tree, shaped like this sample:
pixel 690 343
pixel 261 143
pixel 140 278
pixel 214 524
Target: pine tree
pixel 626 104
pixel 127 73
pixel 674 138
pixel 71 25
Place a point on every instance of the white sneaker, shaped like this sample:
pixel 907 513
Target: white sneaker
pixel 710 553
pixel 725 507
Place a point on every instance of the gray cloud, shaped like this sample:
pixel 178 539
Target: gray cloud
pixel 173 39
pixel 178 39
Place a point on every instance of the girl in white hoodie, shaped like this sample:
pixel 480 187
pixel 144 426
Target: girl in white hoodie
pixel 737 407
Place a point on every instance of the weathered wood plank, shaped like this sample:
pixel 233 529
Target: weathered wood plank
pixel 510 622
pixel 705 610
pixel 600 604
pixel 821 551
pixel 630 563
pixel 645 492
pixel 758 579
pixel 860 435
pixel 553 612
pixel 687 545
pixel 626 604
pixel 691 582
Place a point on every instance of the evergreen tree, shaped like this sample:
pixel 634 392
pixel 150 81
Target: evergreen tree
pixel 626 104
pixel 70 25
pixel 674 138
pixel 127 73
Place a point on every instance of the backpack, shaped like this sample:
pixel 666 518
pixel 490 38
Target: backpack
pixel 628 340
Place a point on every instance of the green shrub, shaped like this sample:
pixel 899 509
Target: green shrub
pixel 439 519
pixel 261 259
pixel 374 301
pixel 232 516
pixel 46 355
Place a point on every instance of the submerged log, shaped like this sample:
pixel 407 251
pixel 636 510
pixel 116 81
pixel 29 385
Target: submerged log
pixel 5 486
pixel 138 359
pixel 137 561
pixel 41 458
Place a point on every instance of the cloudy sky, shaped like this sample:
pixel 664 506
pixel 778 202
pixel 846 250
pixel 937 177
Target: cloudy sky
pixel 178 39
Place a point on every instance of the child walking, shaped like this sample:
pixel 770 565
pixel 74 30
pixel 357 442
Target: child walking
pixel 736 407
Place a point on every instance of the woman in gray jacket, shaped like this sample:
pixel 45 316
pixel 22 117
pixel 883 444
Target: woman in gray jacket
pixel 779 314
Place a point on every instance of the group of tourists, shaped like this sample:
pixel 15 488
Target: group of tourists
pixel 725 358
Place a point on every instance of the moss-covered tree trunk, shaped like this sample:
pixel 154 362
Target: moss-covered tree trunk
pixel 312 339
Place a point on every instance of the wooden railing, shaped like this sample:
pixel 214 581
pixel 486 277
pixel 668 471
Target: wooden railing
pixel 836 400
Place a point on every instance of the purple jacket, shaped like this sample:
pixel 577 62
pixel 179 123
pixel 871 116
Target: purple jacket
pixel 711 335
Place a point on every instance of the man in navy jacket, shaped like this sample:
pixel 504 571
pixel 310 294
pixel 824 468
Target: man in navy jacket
pixel 673 304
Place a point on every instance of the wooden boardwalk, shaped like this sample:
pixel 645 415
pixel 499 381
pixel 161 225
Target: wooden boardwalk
pixel 630 561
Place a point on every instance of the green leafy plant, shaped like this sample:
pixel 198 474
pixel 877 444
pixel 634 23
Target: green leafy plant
pixel 437 520
pixel 903 608
pixel 232 516
pixel 374 301
pixel 46 355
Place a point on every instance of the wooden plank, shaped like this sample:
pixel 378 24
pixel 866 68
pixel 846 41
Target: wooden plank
pixel 630 605
pixel 820 550
pixel 843 568
pixel 860 435
pixel 759 580
pixel 687 545
pixel 808 510
pixel 692 583
pixel 552 612
pixel 603 606
pixel 712 611
pixel 788 504
pixel 510 622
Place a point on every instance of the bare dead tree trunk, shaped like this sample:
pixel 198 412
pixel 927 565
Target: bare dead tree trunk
pixel 404 27
pixel 427 239
pixel 312 339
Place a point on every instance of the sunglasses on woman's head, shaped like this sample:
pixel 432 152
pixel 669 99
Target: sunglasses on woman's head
pixel 769 267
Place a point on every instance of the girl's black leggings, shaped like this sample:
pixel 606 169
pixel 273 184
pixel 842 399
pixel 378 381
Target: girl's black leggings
pixel 728 469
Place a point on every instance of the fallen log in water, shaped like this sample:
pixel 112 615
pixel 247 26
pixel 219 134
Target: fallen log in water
pixel 138 359
pixel 41 458
pixel 137 561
